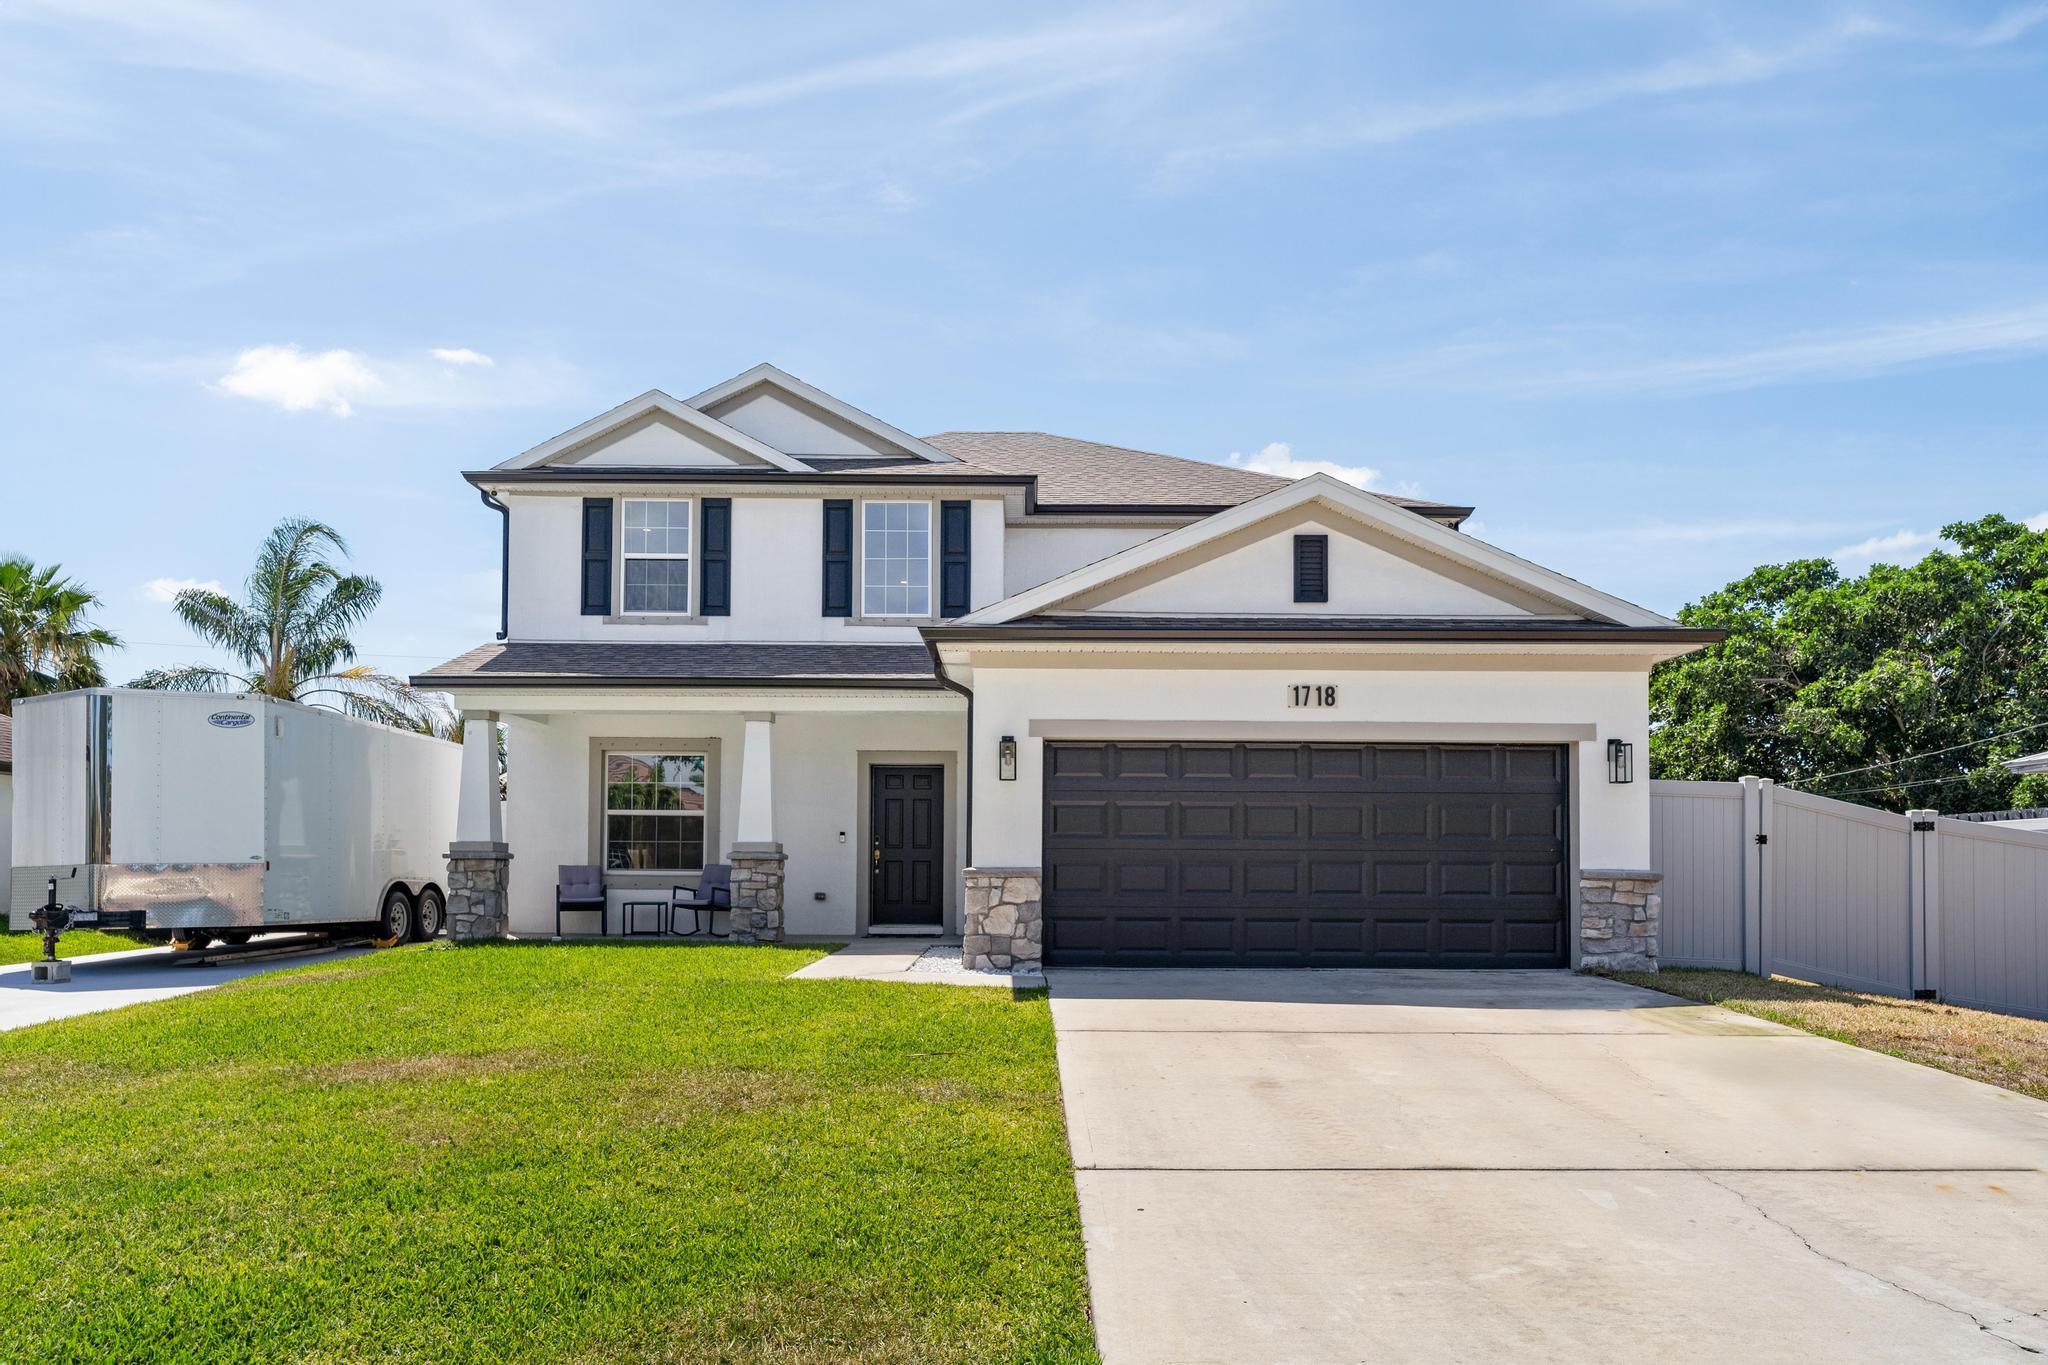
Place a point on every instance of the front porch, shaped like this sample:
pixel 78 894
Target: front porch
pixel 841 813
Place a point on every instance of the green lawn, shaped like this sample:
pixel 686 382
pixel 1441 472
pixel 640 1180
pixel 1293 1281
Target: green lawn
pixel 542 1152
pixel 77 943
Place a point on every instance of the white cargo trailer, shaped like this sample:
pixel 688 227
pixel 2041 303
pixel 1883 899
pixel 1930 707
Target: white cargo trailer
pixel 199 816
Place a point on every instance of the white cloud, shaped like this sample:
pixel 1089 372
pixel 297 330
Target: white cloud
pixel 167 589
pixel 456 65
pixel 1277 458
pixel 1815 359
pixel 1000 69
pixel 338 382
pixel 2008 26
pixel 1899 546
pixel 297 382
pixel 1733 65
pixel 2038 522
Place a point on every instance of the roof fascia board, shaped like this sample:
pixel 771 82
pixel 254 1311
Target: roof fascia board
pixel 765 373
pixel 1341 496
pixel 654 400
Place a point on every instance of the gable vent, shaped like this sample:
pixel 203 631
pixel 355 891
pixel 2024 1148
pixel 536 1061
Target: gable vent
pixel 1311 568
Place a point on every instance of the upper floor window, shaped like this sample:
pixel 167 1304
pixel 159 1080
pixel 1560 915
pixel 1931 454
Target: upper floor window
pixel 655 552
pixel 896 559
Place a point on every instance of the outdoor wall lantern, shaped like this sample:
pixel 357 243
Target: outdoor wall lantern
pixel 1621 761
pixel 1006 759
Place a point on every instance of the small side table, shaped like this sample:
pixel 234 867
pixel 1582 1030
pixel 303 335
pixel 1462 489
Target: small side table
pixel 627 911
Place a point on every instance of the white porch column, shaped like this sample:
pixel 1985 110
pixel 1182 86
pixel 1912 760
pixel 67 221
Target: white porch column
pixel 757 782
pixel 479 813
pixel 757 859
pixel 479 863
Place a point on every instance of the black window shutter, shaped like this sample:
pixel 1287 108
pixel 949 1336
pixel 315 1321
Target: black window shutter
pixel 956 557
pixel 1311 568
pixel 838 557
pixel 714 553
pixel 597 556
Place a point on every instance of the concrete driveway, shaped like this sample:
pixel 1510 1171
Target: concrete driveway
pixel 109 981
pixel 1530 1166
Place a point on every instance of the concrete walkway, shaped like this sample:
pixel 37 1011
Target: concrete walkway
pixel 107 981
pixel 1353 1165
pixel 910 961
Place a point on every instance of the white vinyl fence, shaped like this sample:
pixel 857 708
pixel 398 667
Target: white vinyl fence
pixel 1763 879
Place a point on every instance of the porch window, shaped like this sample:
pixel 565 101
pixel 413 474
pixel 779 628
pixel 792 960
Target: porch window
pixel 654 812
pixel 656 553
pixel 896 559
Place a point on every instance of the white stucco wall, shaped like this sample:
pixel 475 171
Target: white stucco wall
pixel 1036 553
pixel 776 574
pixel 1611 822
pixel 1258 580
pixel 820 791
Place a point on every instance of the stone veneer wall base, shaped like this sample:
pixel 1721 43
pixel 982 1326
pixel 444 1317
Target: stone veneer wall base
pixel 1002 927
pixel 756 895
pixel 1621 914
pixel 479 876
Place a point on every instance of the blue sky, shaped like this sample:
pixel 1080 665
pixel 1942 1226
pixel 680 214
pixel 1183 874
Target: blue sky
pixel 1666 289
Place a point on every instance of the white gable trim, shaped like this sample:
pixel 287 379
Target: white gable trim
pixel 770 375
pixel 1340 497
pixel 654 400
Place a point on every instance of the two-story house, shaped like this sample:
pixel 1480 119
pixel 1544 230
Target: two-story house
pixel 1067 700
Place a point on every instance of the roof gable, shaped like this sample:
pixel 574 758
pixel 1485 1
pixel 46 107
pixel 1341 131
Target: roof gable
pixel 802 419
pixel 1250 572
pixel 1471 571
pixel 654 431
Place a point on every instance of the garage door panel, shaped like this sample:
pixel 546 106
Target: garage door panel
pixel 1208 819
pixel 1265 820
pixel 1427 855
pixel 1140 819
pixel 1263 878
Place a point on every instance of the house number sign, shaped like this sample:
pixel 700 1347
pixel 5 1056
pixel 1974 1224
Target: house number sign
pixel 1312 694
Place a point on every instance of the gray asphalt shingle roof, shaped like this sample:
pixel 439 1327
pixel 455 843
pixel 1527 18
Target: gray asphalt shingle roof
pixel 1072 471
pixel 6 744
pixel 601 663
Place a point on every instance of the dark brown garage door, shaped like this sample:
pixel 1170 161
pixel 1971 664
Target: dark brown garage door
pixel 1324 855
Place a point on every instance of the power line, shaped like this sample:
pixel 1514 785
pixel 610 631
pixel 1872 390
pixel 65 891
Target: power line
pixel 1903 786
pixel 1909 758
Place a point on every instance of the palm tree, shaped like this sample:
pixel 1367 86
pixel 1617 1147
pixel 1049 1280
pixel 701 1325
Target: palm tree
pixel 292 635
pixel 46 642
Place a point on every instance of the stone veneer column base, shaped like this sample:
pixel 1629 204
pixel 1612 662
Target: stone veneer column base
pixel 478 877
pixel 1621 912
pixel 757 893
pixel 1002 928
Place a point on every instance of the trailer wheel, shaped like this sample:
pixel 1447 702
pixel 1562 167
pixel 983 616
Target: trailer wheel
pixel 190 940
pixel 432 915
pixel 394 926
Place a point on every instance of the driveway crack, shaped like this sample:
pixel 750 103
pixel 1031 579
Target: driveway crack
pixel 1989 1328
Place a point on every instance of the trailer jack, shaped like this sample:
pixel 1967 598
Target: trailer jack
pixel 52 919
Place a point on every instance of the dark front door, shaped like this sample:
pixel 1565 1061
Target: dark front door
pixel 906 844
pixel 1312 855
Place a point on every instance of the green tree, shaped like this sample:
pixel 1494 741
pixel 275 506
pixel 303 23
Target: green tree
pixel 1821 673
pixel 47 642
pixel 293 634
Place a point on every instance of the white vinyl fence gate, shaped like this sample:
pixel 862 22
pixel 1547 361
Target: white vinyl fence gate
pixel 1763 879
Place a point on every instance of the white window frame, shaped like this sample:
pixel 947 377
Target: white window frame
pixel 605 809
pixel 689 506
pixel 931 548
